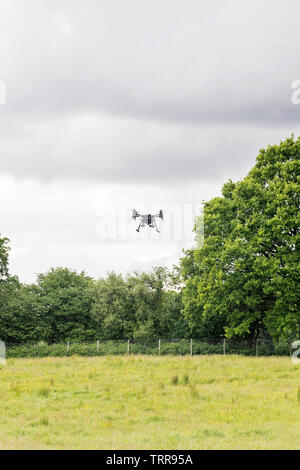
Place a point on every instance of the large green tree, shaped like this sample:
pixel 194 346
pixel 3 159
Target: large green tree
pixel 112 308
pixel 66 298
pixel 245 279
pixel 157 303
pixel 141 306
pixel 22 317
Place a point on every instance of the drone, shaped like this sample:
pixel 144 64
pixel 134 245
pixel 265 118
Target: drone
pixel 147 219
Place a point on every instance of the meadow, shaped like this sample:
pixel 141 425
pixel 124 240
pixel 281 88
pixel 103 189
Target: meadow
pixel 145 402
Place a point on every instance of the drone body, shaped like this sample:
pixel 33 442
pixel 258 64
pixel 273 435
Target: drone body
pixel 147 219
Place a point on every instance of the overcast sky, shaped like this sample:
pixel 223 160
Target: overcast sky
pixel 114 104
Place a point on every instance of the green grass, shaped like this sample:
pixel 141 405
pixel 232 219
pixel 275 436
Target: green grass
pixel 144 402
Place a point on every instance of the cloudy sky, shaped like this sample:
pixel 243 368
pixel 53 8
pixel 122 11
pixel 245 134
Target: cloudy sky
pixel 114 104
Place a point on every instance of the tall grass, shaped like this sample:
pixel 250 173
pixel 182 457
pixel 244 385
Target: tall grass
pixel 147 402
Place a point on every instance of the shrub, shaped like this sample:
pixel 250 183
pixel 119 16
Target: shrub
pixel 168 347
pixel 174 380
pixel 44 392
pixel 186 379
pixel 44 421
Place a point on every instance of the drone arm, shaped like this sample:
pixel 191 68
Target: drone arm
pixel 160 214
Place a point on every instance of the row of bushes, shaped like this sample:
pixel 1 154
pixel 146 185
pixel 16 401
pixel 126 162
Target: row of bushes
pixel 180 347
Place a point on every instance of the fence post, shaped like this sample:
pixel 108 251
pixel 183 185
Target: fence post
pixel 224 346
pixel 159 346
pixel 97 345
pixel 34 349
pixel 191 347
pixel 68 345
pixel 257 347
pixel 128 347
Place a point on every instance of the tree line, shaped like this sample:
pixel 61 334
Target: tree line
pixel 243 282
pixel 64 305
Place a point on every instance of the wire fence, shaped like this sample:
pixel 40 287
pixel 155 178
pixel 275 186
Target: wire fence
pixel 192 346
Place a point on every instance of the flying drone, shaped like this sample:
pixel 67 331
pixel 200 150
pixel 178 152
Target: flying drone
pixel 147 219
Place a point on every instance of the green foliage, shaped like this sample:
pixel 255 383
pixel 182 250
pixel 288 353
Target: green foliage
pixel 112 308
pixel 4 249
pixel 22 317
pixel 20 314
pixel 244 281
pixel 143 306
pixel 65 298
pixel 68 306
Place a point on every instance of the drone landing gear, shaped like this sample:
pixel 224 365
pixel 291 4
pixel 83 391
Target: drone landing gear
pixel 141 225
pixel 154 225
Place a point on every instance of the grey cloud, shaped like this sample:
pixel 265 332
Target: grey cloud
pixel 179 86
pixel 113 149
pixel 178 61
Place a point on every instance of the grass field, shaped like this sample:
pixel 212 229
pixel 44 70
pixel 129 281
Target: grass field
pixel 135 402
